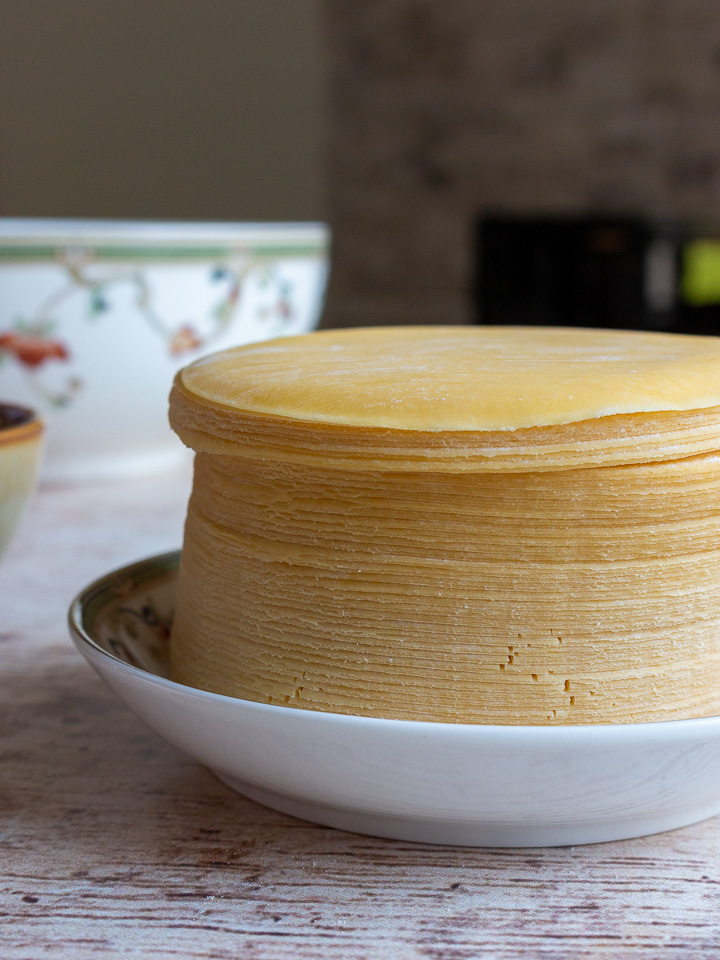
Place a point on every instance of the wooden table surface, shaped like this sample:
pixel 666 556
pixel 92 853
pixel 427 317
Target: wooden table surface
pixel 114 844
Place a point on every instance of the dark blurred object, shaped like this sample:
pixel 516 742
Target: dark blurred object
pixel 627 273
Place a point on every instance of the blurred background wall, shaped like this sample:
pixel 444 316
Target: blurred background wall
pixel 400 121
pixel 189 109
pixel 446 109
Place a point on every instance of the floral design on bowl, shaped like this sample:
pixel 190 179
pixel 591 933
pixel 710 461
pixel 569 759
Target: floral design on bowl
pixel 96 317
pixel 35 339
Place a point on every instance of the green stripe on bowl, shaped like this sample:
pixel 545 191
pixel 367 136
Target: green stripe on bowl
pixel 154 253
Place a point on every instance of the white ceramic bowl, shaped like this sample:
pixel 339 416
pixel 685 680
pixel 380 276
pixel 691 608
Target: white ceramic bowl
pixel 434 782
pixel 97 316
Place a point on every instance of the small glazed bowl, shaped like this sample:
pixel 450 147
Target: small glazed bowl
pixel 97 316
pixel 469 784
pixel 21 444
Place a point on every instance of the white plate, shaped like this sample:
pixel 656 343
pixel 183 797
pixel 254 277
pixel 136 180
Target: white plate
pixel 433 782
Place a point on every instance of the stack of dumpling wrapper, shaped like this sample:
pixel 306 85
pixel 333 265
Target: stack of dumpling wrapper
pixel 463 524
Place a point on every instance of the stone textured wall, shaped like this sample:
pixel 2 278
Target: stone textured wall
pixel 444 109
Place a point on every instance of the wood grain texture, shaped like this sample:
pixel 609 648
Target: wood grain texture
pixel 114 844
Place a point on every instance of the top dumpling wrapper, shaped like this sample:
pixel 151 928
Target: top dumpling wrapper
pixel 462 378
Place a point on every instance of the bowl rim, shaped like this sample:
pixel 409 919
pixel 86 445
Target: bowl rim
pixel 27 422
pixel 41 231
pixel 556 734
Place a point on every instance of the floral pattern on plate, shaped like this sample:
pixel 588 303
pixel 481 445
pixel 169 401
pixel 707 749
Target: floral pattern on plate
pixel 132 618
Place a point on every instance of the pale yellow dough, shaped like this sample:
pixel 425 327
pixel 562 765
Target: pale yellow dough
pixel 461 378
pixel 495 525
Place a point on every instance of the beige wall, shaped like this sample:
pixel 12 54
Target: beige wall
pixel 162 108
